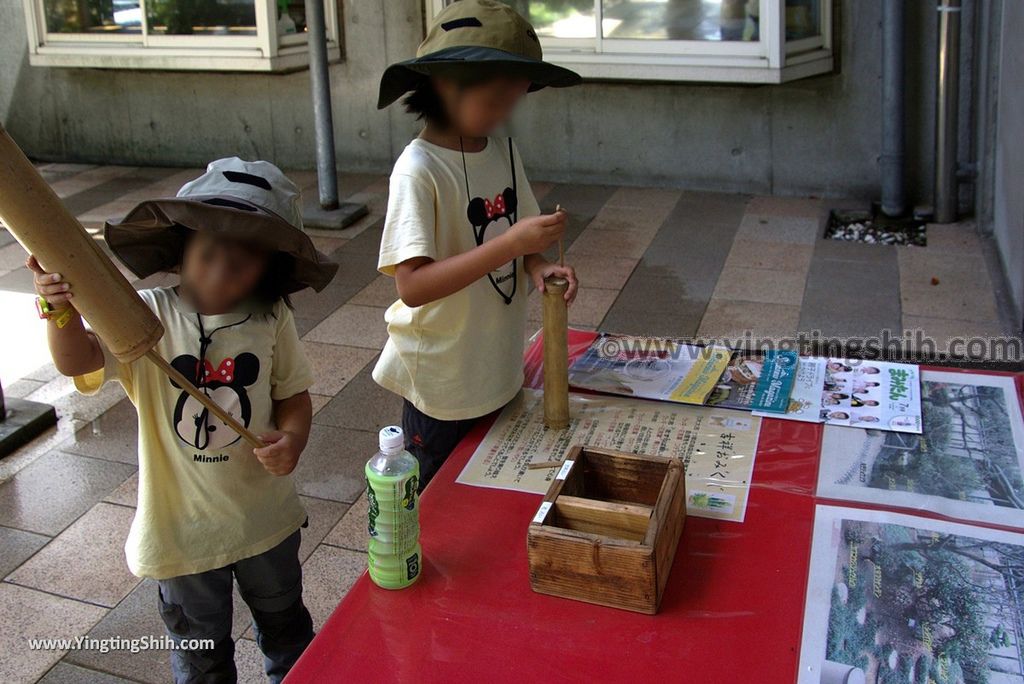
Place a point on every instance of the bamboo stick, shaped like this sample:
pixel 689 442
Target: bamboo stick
pixel 561 243
pixel 543 465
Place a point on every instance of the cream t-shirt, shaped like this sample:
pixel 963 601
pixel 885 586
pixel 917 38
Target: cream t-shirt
pixel 204 499
pixel 461 356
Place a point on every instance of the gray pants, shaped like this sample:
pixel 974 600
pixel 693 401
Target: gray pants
pixel 199 607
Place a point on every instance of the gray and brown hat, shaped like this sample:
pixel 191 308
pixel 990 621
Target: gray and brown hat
pixel 252 202
pixel 475 37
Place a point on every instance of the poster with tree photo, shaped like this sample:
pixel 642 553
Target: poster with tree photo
pixel 968 464
pixel 896 598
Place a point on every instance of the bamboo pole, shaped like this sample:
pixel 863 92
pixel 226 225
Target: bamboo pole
pixel 556 354
pixel 37 218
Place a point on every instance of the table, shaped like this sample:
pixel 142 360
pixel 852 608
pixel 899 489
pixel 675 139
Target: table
pixel 731 612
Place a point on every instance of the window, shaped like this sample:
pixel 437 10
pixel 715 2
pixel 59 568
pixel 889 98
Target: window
pixel 209 35
pixel 754 41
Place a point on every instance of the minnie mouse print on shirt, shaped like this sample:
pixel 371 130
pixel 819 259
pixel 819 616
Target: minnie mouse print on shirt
pixel 226 385
pixel 491 218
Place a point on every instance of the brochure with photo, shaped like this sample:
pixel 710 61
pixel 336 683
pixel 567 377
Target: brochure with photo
pixel 805 397
pixel 872 394
pixel 650 368
pixel 757 381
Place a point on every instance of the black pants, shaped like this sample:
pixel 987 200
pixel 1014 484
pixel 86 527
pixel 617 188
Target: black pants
pixel 431 440
pixel 199 607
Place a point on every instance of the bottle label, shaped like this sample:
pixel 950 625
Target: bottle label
pixel 373 508
pixel 392 513
pixel 409 498
pixel 412 566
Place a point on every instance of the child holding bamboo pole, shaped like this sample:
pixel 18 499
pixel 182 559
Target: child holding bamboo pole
pixel 211 509
pixel 463 229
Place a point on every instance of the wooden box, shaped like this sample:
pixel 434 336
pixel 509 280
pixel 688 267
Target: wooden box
pixel 608 528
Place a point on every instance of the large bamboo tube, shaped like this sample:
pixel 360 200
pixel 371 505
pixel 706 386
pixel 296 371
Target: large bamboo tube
pixel 37 218
pixel 556 354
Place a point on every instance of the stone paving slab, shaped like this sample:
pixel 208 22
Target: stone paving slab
pixel 53 491
pixel 135 616
pixel 86 561
pixel 18 546
pixel 29 614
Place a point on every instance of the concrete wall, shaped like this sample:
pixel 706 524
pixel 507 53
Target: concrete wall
pixel 1008 213
pixel 817 136
pixel 185 118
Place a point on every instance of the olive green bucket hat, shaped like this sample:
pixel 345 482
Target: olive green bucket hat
pixel 475 37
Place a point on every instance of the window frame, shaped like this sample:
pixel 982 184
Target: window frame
pixel 263 51
pixel 771 59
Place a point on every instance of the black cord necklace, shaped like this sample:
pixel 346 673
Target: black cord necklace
pixel 507 298
pixel 205 340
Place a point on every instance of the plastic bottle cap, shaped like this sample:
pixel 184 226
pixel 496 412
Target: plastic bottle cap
pixel 392 438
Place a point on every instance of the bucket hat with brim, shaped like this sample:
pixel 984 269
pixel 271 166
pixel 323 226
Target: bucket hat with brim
pixel 252 202
pixel 475 37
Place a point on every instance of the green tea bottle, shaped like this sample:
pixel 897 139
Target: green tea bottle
pixel 392 478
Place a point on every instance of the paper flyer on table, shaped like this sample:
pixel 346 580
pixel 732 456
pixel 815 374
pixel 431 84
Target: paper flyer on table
pixel 649 368
pixel 805 397
pixel 717 446
pixel 899 598
pixel 760 381
pixel 968 464
pixel 872 394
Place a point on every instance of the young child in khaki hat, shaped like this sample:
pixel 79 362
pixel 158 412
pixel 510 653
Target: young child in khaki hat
pixel 463 230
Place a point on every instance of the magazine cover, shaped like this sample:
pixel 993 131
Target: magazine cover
pixel 967 464
pixel 650 368
pixel 872 394
pixel 757 381
pixel 898 598
pixel 805 397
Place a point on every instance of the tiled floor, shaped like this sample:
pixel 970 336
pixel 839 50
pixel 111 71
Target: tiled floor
pixel 654 261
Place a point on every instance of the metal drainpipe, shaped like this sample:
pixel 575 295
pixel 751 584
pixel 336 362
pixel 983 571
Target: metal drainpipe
pixel 326 169
pixel 893 155
pixel 946 109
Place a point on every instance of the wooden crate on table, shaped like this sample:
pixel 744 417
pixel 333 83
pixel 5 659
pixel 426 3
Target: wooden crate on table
pixel 608 528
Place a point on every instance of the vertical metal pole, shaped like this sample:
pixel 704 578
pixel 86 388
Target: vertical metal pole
pixel 893 117
pixel 326 170
pixel 946 109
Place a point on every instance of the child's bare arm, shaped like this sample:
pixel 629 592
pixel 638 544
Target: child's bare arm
pixel 75 350
pixel 422 280
pixel 293 417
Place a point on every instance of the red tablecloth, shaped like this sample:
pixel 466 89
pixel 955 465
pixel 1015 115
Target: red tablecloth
pixel 731 612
